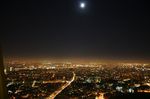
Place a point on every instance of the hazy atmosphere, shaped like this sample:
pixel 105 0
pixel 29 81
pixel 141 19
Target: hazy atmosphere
pixel 102 29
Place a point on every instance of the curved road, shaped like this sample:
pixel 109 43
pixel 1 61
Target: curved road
pixel 54 94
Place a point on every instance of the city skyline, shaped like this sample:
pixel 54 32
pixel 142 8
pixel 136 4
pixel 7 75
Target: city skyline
pixel 80 81
pixel 75 49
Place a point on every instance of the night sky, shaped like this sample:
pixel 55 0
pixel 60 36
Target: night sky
pixel 61 28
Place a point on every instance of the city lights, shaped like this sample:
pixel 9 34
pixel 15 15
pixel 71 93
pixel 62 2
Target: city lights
pixel 86 79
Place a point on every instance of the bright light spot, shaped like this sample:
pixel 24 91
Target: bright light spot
pixel 82 5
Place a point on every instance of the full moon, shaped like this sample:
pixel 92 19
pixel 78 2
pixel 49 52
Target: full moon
pixel 82 5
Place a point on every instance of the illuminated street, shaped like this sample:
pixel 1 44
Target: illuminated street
pixel 53 95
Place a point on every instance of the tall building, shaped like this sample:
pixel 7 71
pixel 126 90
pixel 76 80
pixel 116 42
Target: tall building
pixel 3 90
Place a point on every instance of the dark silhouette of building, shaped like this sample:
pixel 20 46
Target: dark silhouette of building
pixel 3 90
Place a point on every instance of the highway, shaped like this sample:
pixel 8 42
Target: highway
pixel 58 91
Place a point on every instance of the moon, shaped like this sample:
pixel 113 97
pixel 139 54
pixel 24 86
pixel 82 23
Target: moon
pixel 82 5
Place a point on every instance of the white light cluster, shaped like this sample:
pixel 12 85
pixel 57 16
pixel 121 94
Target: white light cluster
pixel 82 5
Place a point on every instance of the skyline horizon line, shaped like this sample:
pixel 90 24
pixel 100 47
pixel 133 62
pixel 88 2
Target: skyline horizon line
pixel 77 59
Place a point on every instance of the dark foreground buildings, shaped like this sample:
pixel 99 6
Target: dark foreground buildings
pixel 3 91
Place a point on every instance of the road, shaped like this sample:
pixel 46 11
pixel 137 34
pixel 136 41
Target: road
pixel 55 81
pixel 58 91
